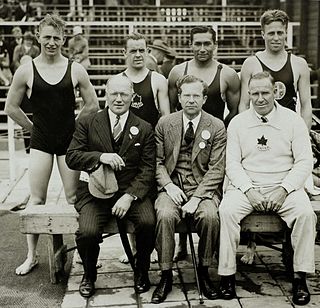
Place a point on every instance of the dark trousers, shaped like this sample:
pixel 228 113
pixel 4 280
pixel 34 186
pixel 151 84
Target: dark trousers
pixel 95 213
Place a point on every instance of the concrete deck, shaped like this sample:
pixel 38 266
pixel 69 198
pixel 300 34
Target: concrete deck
pixel 261 285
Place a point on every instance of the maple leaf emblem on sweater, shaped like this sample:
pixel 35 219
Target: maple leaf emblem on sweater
pixel 262 140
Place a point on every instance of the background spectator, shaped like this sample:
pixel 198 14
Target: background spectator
pixel 169 61
pixel 78 48
pixel 5 73
pixel 5 11
pixel 23 11
pixel 15 41
pixel 26 48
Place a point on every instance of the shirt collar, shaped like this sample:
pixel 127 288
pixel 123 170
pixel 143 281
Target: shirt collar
pixel 269 116
pixel 113 117
pixel 194 121
pixel 273 117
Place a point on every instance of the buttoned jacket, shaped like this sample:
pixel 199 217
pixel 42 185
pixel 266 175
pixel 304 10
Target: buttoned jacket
pixel 208 152
pixel 93 137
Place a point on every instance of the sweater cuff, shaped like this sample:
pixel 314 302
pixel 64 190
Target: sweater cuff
pixel 288 187
pixel 245 187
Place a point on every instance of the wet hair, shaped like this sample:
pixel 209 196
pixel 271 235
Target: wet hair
pixel 53 20
pixel 134 36
pixel 270 16
pixel 186 79
pixel 262 75
pixel 202 29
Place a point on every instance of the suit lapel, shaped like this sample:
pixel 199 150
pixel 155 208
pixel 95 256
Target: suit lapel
pixel 174 136
pixel 103 129
pixel 128 137
pixel 203 124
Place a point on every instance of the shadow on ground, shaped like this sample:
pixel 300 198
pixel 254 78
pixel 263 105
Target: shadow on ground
pixel 35 289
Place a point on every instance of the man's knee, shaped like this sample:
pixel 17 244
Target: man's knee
pixel 165 209
pixel 71 199
pixel 226 210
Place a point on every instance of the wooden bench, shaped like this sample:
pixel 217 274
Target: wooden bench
pixel 56 220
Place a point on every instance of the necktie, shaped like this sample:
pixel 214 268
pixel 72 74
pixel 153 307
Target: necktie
pixel 189 135
pixel 117 129
pixel 264 119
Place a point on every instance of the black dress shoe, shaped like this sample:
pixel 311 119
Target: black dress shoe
pixel 163 288
pixel 301 295
pixel 141 282
pixel 207 287
pixel 86 287
pixel 227 287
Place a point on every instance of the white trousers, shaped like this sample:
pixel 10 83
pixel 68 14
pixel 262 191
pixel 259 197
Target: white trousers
pixel 296 211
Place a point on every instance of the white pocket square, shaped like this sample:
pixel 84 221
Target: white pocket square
pixel 137 144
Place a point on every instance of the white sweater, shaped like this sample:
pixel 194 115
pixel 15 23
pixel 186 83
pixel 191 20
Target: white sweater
pixel 268 154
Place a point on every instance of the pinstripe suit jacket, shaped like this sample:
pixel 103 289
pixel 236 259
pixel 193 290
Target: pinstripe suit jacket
pixel 208 153
pixel 93 137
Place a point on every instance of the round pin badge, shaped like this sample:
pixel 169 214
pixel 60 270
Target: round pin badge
pixel 205 134
pixel 202 145
pixel 134 130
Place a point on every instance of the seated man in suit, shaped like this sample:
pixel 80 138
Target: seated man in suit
pixel 268 160
pixel 191 144
pixel 123 145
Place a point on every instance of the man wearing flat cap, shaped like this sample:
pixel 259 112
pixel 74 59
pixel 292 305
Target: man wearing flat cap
pixel 157 52
pixel 116 152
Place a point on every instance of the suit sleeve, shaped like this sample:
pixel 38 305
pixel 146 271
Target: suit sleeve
pixel 162 175
pixel 144 179
pixel 211 184
pixel 79 156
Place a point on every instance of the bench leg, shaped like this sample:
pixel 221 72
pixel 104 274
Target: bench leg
pixel 57 257
pixel 287 253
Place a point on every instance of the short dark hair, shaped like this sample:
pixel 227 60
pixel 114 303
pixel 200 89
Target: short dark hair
pixel 191 79
pixel 262 75
pixel 134 36
pixel 202 29
pixel 270 16
pixel 53 20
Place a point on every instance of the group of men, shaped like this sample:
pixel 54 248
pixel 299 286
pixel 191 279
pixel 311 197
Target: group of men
pixel 135 143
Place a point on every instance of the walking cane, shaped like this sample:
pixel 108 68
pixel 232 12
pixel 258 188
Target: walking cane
pixel 125 242
pixel 188 221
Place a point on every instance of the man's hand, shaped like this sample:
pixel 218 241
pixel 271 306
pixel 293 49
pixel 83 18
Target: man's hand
pixel 276 199
pixel 256 199
pixel 191 206
pixel 176 194
pixel 122 205
pixel 113 160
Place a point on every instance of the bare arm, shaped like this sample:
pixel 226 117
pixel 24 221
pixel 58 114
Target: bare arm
pixel 87 91
pixel 162 93
pixel 173 91
pixel 246 72
pixel 232 94
pixel 304 92
pixel 16 93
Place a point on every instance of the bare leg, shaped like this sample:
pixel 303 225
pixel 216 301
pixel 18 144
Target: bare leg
pixel 40 167
pixel 132 240
pixel 248 257
pixel 69 179
pixel 182 251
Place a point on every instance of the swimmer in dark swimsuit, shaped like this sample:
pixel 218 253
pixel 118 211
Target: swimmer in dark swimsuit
pixel 223 82
pixel 49 82
pixel 290 72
